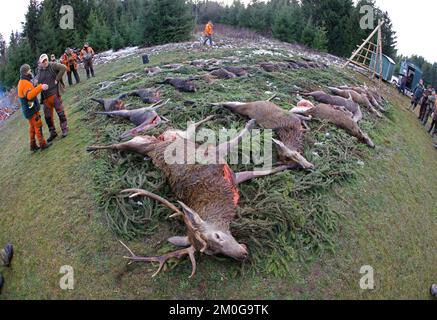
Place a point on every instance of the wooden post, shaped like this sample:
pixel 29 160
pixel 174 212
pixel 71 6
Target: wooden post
pixel 364 43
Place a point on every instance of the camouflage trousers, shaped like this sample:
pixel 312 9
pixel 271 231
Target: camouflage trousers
pixel 3 258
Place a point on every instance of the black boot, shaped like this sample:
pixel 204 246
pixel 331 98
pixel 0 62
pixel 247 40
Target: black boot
pixel 34 147
pixel 46 146
pixel 8 255
pixel 2 282
pixel 53 136
pixel 434 290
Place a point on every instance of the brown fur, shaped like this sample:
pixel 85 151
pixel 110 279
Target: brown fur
pixel 181 84
pixel 340 119
pixel 110 104
pixel 350 105
pixel 146 95
pixel 268 115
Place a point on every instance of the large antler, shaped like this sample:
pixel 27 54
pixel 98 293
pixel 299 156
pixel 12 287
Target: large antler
pixel 163 259
pixel 143 193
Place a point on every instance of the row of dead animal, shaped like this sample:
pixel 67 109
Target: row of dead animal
pixel 292 64
pixel 208 192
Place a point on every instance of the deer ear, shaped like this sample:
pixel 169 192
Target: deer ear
pixel 192 216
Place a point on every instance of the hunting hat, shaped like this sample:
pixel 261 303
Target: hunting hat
pixel 43 57
pixel 25 68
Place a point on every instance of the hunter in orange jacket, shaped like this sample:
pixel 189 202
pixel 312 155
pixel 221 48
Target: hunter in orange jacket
pixel 209 31
pixel 69 59
pixel 27 94
pixel 86 55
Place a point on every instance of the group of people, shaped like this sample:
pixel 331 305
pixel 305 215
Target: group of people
pixel 427 100
pixel 49 83
pixel 71 61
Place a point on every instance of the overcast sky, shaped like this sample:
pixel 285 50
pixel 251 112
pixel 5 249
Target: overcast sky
pixel 414 22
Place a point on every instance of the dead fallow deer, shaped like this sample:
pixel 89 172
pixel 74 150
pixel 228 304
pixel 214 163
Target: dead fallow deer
pixel 348 104
pixel 359 98
pixel 144 118
pixel 207 193
pixel 146 95
pixel 182 85
pixel 374 97
pixel 288 128
pixel 334 115
pixel 111 104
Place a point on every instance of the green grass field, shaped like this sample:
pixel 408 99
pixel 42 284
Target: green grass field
pixel 51 206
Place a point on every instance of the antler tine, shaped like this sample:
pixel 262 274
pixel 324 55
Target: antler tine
pixel 138 192
pixel 164 258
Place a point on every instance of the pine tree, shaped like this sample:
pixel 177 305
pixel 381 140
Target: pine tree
pixel 308 33
pixel 289 23
pixel 320 41
pixel 168 21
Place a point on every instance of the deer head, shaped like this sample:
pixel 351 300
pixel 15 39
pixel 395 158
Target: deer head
pixel 217 239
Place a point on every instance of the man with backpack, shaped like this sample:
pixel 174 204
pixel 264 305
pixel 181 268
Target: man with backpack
pixel 52 74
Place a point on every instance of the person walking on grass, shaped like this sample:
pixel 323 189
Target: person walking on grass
pixel 208 33
pixel 28 97
pixel 430 103
pixel 6 256
pixel 52 74
pixel 432 109
pixel 417 95
pixel 87 55
pixel 69 59
pixel 424 103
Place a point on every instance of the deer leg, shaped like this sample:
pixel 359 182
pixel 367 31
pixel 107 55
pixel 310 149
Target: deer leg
pixel 250 175
pixel 142 128
pixel 163 259
pixel 225 149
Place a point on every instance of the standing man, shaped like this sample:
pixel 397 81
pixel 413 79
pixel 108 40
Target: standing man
pixel 430 106
pixel 28 96
pixel 53 58
pixel 6 256
pixel 417 94
pixel 424 103
pixel 52 74
pixel 209 31
pixel 87 55
pixel 69 59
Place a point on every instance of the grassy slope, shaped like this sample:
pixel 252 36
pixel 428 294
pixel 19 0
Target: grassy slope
pixel 47 210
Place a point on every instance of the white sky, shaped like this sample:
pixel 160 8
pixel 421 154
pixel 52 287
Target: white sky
pixel 414 22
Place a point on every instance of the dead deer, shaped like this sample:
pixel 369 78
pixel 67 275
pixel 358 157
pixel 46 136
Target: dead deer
pixel 144 118
pixel 287 127
pixel 373 98
pixel 207 193
pixel 222 74
pixel 359 98
pixel 238 71
pixel 334 115
pixel 181 84
pixel 110 104
pixel 153 71
pixel 146 95
pixel 348 104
